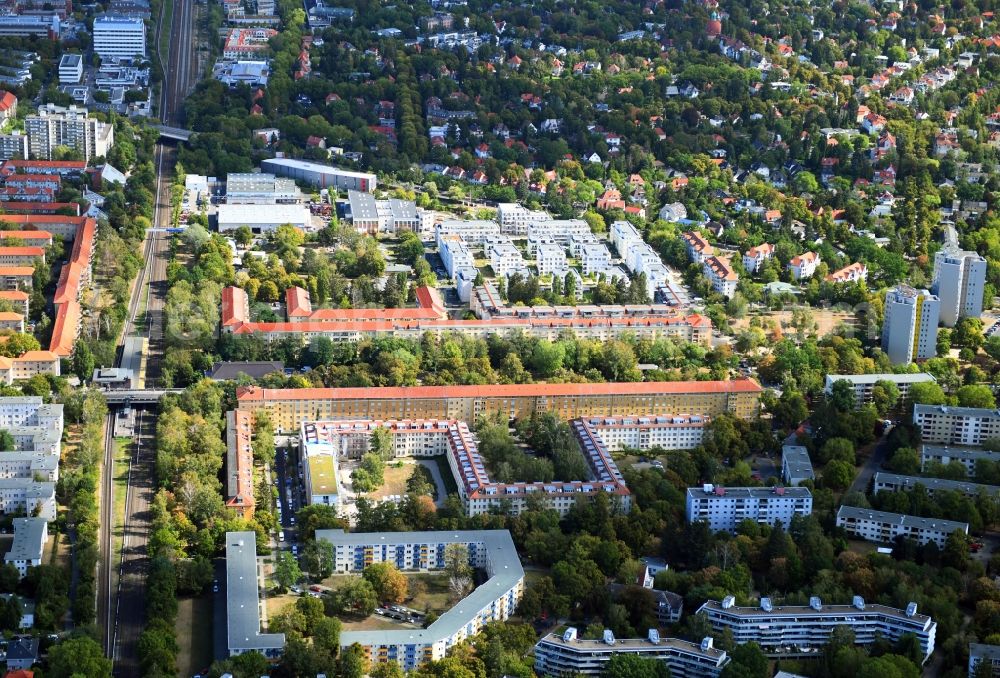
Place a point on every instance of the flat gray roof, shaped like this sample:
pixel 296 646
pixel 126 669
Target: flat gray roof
pixel 242 598
pixel 971 453
pixel 807 611
pixel 29 539
pixel 505 572
pixel 934 484
pixel 750 492
pixel 363 205
pixel 984 651
pixel 984 412
pixel 859 379
pixel 901 519
pixel 797 458
pixel 314 167
pixel 599 646
pixel 69 60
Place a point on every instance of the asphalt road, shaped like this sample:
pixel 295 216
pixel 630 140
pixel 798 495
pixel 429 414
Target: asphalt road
pixel 872 465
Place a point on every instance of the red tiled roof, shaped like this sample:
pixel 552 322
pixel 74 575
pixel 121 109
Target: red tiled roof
pixel 297 303
pixel 255 394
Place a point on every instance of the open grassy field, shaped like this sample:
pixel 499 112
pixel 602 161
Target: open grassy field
pixel 432 593
pixel 395 481
pixel 193 630
pixel 123 450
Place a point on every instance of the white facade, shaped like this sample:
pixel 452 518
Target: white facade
pixel 862 384
pixel 561 231
pixel 58 126
pixel 796 466
pixel 514 218
pixel 756 256
pixel 119 37
pixel 804 265
pixel 959 282
pixel 70 69
pixel 594 259
pixel 724 508
pixel 456 255
pixel 783 630
pixel 260 189
pixel 262 218
pixel 30 535
pixel 551 259
pixel 944 455
pixel 722 276
pixel 883 527
pixel 505 259
pixel 568 655
pixel 909 328
pixel 471 232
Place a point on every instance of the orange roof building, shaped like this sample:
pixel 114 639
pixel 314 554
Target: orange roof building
pixel 289 408
pixel 239 463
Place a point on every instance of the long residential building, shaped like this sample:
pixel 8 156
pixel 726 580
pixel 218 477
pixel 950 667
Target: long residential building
pixel 883 527
pixel 909 329
pixel 893 482
pixel 964 426
pixel 862 384
pixel 239 463
pixel 414 323
pixel 288 408
pixel 959 282
pixel 567 654
pixel 243 603
pixel 966 456
pixel 980 653
pixel 796 466
pixel 788 630
pixel 724 508
pixel 494 600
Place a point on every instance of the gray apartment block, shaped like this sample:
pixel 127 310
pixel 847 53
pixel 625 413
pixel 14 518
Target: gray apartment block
pixel 891 482
pixel 966 456
pixel 243 600
pixel 959 282
pixel 909 330
pixel 796 465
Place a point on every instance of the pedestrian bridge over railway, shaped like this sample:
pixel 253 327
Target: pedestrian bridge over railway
pixel 146 396
pixel 175 133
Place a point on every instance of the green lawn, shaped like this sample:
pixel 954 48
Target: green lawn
pixel 436 596
pixel 123 449
pixel 193 629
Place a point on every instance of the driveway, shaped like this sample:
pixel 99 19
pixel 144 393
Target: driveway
pixel 442 489
pixel 871 466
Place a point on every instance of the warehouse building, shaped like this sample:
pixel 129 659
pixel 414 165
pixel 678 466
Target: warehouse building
pixel 263 218
pixel 320 176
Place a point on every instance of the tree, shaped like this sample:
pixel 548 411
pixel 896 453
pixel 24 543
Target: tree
pixel 927 393
pixel 634 666
pixel 243 236
pixel 885 396
pixel 80 656
pixel 326 635
pixel 7 442
pixel 353 663
pixel 355 595
pixel 905 461
pixel 976 395
pixel 456 566
pixel 838 475
pixel 968 332
pixel 83 361
pixel 748 661
pixel 286 570
pixel 317 517
pixel 387 581
pixel 317 558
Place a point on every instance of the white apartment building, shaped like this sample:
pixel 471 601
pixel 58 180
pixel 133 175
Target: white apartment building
pixel 966 456
pixel 25 496
pixel 724 508
pixel 697 247
pixel 58 126
pixel 790 630
pixel 862 384
pixel 569 655
pixel 514 218
pixel 505 259
pixel 260 189
pixel 893 482
pixel 883 527
pixel 622 234
pixel 963 426
pixel 679 432
pixel 579 241
pixel 909 329
pixel 551 259
pixel 722 276
pixel 804 265
pixel 471 232
pixel 796 466
pixel 119 37
pixel 455 254
pixel 959 281
pixel 594 258
pixel 561 231
pixel 30 535
pixel 372 216
pixel 29 411
pixel 494 601
pixel 755 257
pixel 70 69
pixel 978 653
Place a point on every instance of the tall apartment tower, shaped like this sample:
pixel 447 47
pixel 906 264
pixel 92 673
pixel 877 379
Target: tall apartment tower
pixel 959 279
pixel 119 37
pixel 909 331
pixel 58 126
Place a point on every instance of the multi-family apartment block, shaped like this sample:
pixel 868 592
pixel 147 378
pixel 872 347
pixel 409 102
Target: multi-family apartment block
pixel 788 630
pixel 247 43
pixel 514 218
pixel 724 508
pixel 966 456
pixel 883 527
pixel 959 282
pixel 56 126
pixel 722 276
pixel 862 384
pixel 494 601
pixel 980 654
pixel 239 464
pixel 505 258
pixel 567 654
pixel 893 482
pixel 796 465
pixel 243 618
pixel 755 257
pixel 30 535
pixel 288 408
pixel 963 426
pixel 551 260
pixel 594 258
pixel 909 329
pixel 698 247
pixel 855 272
pixel 804 265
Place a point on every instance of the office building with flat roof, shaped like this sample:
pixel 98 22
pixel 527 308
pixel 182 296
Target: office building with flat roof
pixel 119 37
pixel 243 603
pixel 70 69
pixel 883 527
pixel 790 630
pixel 959 282
pixel 724 508
pixel 796 466
pixel 567 654
pixel 962 426
pixel 288 408
pixel 262 218
pixel 862 384
pixel 966 456
pixel 909 329
pixel 495 600
pixel 372 216
pixel 260 189
pixel 892 482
